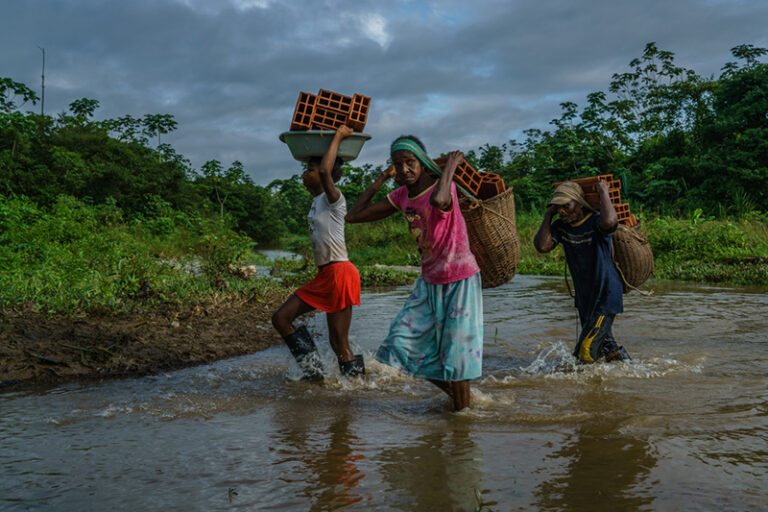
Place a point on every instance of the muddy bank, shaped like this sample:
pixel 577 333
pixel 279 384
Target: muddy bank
pixel 38 350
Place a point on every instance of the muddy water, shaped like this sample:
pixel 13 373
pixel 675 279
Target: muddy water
pixel 683 427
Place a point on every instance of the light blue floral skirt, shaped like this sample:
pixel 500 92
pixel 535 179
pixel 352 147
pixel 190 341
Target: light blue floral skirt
pixel 439 332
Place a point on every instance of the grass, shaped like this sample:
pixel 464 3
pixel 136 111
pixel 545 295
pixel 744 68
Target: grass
pixel 79 259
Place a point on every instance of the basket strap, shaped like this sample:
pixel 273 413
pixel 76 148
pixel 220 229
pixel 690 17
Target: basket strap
pixel 565 276
pixel 479 203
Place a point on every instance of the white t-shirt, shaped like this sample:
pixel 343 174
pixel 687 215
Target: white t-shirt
pixel 326 229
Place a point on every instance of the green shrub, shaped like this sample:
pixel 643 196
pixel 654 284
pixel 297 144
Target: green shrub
pixel 74 257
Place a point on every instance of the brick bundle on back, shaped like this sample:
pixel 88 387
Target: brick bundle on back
pixel 489 212
pixel 632 253
pixel 481 185
pixel 614 192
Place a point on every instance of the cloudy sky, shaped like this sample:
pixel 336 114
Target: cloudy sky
pixel 457 73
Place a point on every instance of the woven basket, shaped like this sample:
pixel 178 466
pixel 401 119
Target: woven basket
pixel 632 256
pixel 493 237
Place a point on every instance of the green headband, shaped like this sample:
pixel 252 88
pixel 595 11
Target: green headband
pixel 409 145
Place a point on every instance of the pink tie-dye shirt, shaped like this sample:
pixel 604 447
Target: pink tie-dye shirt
pixel 441 236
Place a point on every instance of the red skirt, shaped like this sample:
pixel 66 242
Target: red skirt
pixel 336 286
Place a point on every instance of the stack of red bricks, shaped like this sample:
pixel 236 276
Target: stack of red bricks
pixel 614 193
pixel 482 185
pixel 327 110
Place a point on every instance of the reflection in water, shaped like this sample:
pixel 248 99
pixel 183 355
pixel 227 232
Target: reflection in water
pixel 324 459
pixel 602 467
pixel 437 471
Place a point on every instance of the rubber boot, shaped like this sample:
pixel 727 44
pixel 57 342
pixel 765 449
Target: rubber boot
pixel 305 352
pixel 618 355
pixel 352 368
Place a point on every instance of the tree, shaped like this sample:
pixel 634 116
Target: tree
pixel 127 128
pixel 292 202
pixel 355 180
pixel 14 125
pixel 223 183
pixel 11 92
pixel 157 124
pixel 83 109
pixel 734 166
pixel 746 52
pixel 654 97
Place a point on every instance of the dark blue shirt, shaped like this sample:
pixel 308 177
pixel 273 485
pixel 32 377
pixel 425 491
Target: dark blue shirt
pixel 596 281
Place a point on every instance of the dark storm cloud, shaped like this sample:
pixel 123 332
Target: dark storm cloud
pixel 458 74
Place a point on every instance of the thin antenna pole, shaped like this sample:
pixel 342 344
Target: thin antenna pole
pixel 42 94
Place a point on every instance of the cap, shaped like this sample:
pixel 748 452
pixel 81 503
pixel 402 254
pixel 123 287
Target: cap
pixel 567 192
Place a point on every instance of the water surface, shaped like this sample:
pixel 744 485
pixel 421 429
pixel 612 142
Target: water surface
pixel 681 427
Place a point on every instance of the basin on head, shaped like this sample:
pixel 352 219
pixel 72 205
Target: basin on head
pixel 306 144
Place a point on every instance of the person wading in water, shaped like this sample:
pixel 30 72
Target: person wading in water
pixel 586 239
pixel 438 335
pixel 336 288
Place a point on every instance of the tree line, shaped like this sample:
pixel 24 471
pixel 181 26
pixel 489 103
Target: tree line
pixel 678 142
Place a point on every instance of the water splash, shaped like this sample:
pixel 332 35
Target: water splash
pixel 555 358
pixel 557 362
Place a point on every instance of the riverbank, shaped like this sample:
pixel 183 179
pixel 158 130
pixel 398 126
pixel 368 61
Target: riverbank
pixel 43 350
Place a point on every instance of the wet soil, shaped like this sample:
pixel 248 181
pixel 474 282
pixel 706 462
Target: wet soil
pixel 43 350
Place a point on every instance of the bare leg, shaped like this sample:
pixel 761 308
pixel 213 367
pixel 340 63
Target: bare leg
pixel 283 318
pixel 460 394
pixel 443 385
pixel 338 333
pixel 457 390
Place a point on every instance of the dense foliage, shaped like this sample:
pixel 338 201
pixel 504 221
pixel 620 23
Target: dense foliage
pixel 678 142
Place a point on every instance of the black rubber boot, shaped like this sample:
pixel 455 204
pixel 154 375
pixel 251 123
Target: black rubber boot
pixel 305 352
pixel 618 355
pixel 353 368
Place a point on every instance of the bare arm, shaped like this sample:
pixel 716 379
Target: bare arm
pixel 328 161
pixel 441 197
pixel 608 217
pixel 543 241
pixel 363 210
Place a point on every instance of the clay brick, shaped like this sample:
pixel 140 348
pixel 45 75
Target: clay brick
pixel 328 119
pixel 491 185
pixel 588 186
pixel 465 175
pixel 622 211
pixel 593 198
pixel 358 112
pixel 614 193
pixel 302 114
pixel 334 100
